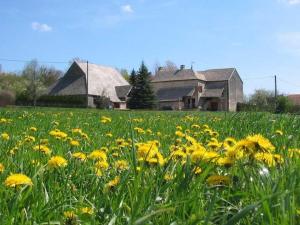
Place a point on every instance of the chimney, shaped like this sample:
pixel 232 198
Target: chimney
pixel 182 67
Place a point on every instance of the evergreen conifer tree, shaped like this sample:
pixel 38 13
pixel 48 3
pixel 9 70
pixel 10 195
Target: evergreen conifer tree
pixel 132 78
pixel 142 95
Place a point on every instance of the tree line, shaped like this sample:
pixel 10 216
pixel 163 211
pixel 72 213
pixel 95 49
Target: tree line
pixel 27 85
pixel 264 101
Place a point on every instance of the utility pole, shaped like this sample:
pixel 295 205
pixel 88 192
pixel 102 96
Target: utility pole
pixel 275 79
pixel 87 83
pixel 34 87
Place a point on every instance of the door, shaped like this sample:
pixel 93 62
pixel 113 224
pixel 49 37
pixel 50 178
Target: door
pixel 214 106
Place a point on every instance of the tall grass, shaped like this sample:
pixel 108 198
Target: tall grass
pixel 258 194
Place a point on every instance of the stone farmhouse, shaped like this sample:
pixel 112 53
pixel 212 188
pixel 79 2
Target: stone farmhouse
pixel 214 90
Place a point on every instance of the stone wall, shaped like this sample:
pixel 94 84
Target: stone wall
pixel 236 94
pixel 175 105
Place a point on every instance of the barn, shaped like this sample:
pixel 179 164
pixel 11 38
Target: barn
pixel 93 81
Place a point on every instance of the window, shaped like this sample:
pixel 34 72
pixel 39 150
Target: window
pixel 199 89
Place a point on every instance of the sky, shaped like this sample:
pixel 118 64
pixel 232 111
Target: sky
pixel 260 38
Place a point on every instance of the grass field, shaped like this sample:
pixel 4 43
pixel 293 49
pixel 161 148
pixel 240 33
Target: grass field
pixel 109 167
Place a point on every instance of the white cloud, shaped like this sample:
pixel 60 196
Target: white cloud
pixel 290 42
pixel 293 2
pixel 127 8
pixel 42 27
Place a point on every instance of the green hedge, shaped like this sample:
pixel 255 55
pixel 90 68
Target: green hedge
pixel 56 100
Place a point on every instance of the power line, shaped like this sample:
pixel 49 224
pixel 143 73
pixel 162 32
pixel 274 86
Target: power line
pixel 27 61
pixel 257 78
pixel 287 82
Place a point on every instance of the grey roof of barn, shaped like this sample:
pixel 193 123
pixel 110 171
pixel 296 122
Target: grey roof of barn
pixel 102 80
pixel 175 93
pixel 189 74
pixel 123 91
pixel 213 93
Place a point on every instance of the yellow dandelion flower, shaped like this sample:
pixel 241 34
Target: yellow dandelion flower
pixel 197 170
pixel 115 154
pixel 42 148
pixel 58 134
pixel 102 165
pixel 5 136
pixel 79 155
pixel 229 142
pixel 77 130
pixel 122 142
pixel 84 136
pixel 266 158
pixel 234 153
pixel 74 143
pixel 139 130
pixel 29 139
pixel 178 154
pixel 214 134
pixel 214 145
pixel 293 152
pixel 168 177
pixel 196 126
pixel 218 180
pixel 109 135
pixel 3 120
pixel 17 179
pixel 105 119
pixel 138 120
pixel 244 146
pixel 57 161
pixel 278 158
pixel 225 161
pixel 44 141
pixel 98 154
pixel 261 143
pixel 207 156
pixel 179 134
pixel 70 215
pixel 113 183
pixel 1 168
pixel 34 129
pixel 178 128
pixel 87 210
pixel 98 172
pixel 205 126
pixel 121 165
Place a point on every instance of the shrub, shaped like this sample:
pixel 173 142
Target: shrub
pixel 7 98
pixel 284 105
pixel 62 100
pixel 102 102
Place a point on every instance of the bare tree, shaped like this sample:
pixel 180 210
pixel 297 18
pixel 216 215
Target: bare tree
pixel 170 66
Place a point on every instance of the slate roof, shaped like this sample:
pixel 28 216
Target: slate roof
pixel 102 80
pixel 123 91
pixel 175 93
pixel 189 74
pixel 185 74
pixel 217 74
pixel 212 93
